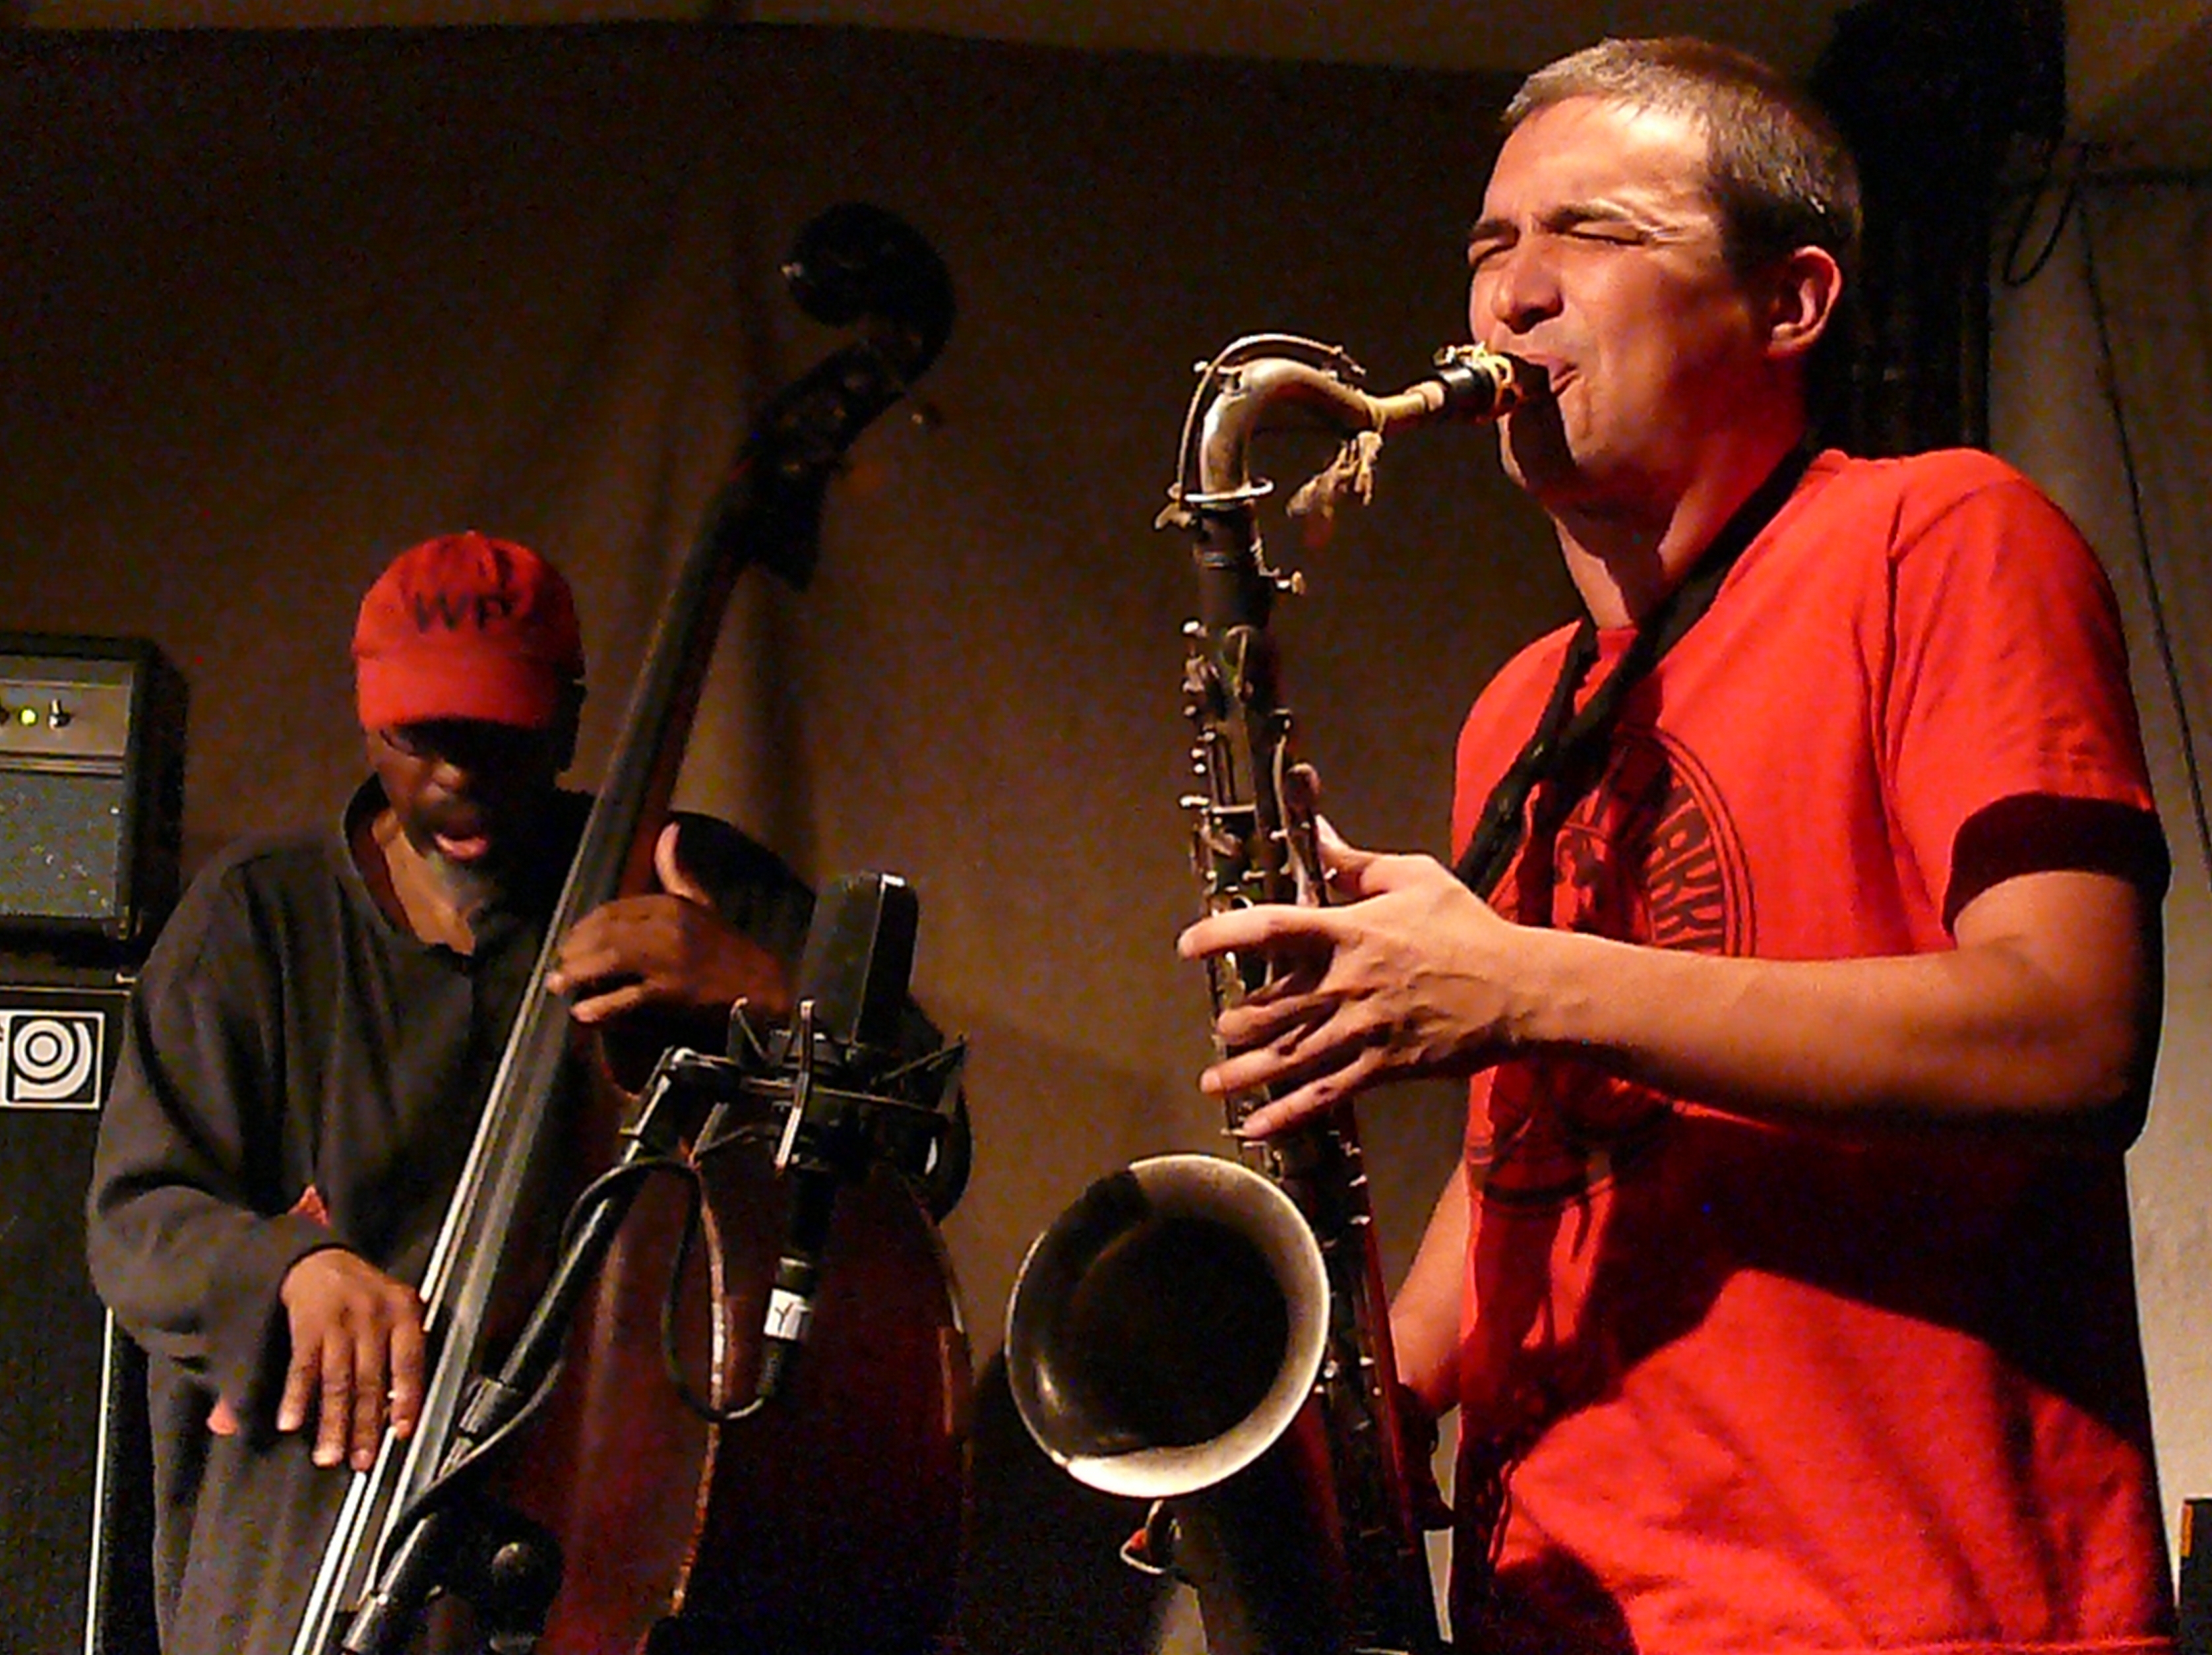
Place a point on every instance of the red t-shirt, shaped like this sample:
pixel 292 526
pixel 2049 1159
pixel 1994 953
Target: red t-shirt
pixel 1776 1390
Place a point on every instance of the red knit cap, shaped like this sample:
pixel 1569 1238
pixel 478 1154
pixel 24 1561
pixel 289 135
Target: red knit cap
pixel 466 626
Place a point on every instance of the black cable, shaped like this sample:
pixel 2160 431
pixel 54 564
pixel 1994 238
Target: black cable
pixel 448 1477
pixel 2047 176
pixel 2159 632
pixel 671 1359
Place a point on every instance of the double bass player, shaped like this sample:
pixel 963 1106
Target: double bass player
pixel 310 1045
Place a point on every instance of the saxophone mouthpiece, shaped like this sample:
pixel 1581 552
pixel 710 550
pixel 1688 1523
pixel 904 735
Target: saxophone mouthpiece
pixel 1482 384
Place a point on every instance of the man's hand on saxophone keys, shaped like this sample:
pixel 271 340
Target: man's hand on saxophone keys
pixel 1406 974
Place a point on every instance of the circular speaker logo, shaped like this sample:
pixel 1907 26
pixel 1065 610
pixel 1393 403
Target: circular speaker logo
pixel 50 1060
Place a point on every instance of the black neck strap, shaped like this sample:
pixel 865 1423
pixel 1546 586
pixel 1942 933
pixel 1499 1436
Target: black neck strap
pixel 1565 741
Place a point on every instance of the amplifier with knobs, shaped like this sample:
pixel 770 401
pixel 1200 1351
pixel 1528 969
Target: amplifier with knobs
pixel 92 767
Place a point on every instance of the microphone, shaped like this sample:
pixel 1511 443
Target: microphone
pixel 851 991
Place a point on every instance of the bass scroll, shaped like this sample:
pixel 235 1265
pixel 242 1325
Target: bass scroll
pixel 1213 1335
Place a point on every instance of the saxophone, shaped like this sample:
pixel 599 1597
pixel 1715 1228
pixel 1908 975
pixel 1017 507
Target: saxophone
pixel 1212 1335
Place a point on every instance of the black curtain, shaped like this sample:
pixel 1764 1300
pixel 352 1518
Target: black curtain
pixel 1936 98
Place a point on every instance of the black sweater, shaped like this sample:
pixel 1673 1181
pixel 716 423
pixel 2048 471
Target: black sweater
pixel 286 1036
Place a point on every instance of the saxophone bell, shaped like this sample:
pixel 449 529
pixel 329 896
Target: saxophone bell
pixel 1167 1327
pixel 1164 1340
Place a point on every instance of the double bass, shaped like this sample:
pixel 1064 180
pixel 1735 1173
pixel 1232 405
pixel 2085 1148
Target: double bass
pixel 618 1512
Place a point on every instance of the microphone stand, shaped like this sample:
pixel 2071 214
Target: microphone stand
pixel 510 1568
pixel 518 1572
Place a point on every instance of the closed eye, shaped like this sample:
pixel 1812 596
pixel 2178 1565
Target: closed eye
pixel 1611 228
pixel 1485 240
pixel 1581 225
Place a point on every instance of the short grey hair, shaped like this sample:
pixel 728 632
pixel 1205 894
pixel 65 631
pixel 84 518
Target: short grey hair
pixel 1779 174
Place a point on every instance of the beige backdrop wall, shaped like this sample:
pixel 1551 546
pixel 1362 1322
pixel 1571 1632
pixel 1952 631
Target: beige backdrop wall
pixel 2074 357
pixel 279 305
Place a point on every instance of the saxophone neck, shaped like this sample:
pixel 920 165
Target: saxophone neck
pixel 1267 380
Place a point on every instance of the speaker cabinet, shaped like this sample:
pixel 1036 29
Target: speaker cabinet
pixel 92 780
pixel 76 1471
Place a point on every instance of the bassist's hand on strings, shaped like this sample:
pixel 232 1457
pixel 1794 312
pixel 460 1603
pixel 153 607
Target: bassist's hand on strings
pixel 1405 974
pixel 671 949
pixel 357 1356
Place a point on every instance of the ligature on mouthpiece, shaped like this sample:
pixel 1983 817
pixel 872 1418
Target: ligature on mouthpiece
pixel 1480 383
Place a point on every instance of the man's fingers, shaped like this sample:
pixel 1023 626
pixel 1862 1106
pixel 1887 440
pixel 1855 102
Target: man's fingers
pixel 1352 874
pixel 674 879
pixel 1288 1050
pixel 1324 1091
pixel 1290 976
pixel 1336 850
pixel 334 1417
pixel 613 938
pixel 1265 1017
pixel 598 1008
pixel 659 943
pixel 1281 1113
pixel 371 1395
pixel 357 1344
pixel 407 1376
pixel 300 1379
pixel 1270 925
pixel 591 953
